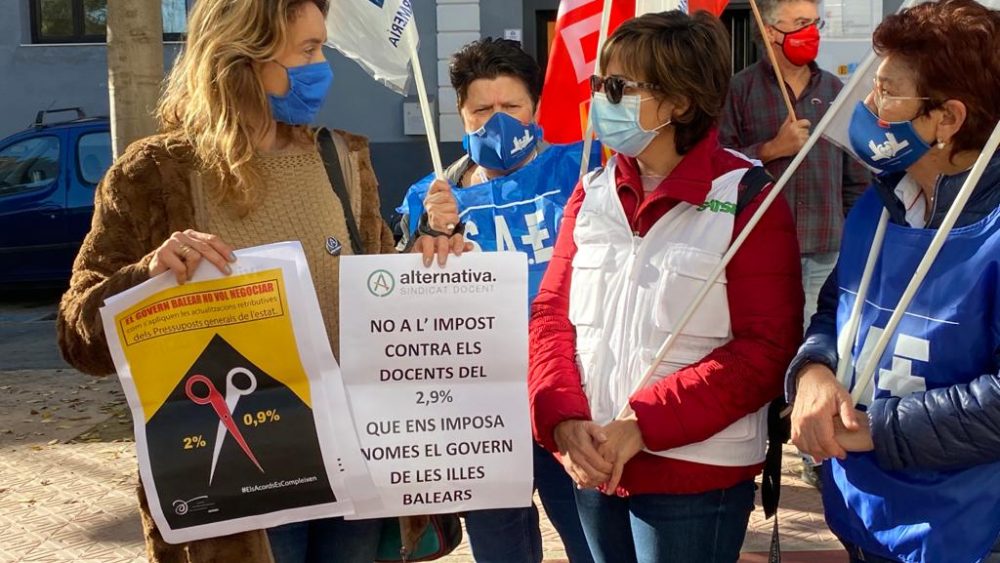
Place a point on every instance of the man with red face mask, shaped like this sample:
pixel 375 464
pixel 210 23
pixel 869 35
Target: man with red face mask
pixel 756 123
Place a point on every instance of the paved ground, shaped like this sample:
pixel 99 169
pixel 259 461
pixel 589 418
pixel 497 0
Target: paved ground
pixel 27 329
pixel 67 478
pixel 68 469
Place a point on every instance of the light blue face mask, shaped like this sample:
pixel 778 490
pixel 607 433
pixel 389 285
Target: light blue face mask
pixel 307 88
pixel 617 125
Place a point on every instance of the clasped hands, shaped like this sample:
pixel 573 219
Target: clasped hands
pixel 594 455
pixel 825 423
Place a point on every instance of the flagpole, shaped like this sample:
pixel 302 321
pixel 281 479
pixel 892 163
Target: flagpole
pixel 775 191
pixel 647 6
pixel 848 333
pixel 773 58
pixel 425 104
pixel 588 134
pixel 868 370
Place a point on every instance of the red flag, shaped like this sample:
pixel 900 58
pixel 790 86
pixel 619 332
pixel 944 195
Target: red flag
pixel 714 6
pixel 566 93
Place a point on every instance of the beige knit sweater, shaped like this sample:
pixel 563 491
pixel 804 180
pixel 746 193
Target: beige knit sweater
pixel 143 198
pixel 298 204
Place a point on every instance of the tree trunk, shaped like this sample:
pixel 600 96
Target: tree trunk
pixel 135 68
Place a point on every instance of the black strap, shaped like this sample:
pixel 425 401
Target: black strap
pixel 755 181
pixel 778 430
pixel 751 185
pixel 334 171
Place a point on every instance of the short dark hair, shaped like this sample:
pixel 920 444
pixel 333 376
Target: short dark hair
pixel 686 56
pixel 490 58
pixel 953 47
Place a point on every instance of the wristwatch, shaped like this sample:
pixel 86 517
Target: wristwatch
pixel 424 228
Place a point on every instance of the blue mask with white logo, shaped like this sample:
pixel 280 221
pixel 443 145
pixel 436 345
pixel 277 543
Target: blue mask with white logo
pixel 502 143
pixel 886 146
pixel 307 88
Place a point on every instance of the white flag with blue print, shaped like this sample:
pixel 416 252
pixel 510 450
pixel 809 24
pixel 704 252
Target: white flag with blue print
pixel 380 35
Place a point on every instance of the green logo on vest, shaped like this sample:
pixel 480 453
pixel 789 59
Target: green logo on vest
pixel 716 206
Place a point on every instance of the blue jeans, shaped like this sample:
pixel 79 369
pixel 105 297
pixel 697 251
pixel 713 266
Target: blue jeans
pixel 512 535
pixel 330 540
pixel 556 490
pixel 816 268
pixel 700 528
pixel 503 535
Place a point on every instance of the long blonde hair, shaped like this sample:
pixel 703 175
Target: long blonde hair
pixel 214 98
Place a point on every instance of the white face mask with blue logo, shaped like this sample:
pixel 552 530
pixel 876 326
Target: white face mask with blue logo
pixel 618 126
pixel 884 145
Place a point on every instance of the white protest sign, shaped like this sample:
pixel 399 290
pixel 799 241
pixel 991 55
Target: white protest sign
pixel 435 362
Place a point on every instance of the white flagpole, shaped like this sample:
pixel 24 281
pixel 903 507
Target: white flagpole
pixel 647 6
pixel 868 370
pixel 764 206
pixel 425 104
pixel 588 134
pixel 848 334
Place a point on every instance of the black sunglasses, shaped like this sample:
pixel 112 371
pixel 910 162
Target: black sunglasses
pixel 614 86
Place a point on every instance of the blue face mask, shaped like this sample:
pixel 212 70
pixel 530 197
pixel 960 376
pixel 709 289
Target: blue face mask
pixel 307 88
pixel 617 125
pixel 885 146
pixel 502 143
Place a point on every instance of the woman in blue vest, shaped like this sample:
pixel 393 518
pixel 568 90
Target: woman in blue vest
pixel 913 473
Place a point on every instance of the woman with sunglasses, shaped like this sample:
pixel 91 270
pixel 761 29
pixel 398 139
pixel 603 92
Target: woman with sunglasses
pixel 914 475
pixel 672 479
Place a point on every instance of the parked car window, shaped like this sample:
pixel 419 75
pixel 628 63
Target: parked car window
pixel 93 156
pixel 28 165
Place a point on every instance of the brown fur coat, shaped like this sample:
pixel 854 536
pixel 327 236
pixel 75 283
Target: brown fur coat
pixel 143 199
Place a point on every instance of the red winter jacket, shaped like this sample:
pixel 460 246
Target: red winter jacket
pixel 698 401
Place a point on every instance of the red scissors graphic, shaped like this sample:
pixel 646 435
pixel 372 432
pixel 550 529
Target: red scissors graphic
pixel 224 409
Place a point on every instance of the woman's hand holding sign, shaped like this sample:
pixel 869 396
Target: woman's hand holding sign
pixel 183 251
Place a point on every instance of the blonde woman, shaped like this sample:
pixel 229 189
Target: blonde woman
pixel 234 154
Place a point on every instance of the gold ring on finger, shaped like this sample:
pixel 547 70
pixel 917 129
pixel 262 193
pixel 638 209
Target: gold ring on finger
pixel 184 250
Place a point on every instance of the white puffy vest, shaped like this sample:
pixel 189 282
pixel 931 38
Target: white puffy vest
pixel 627 292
